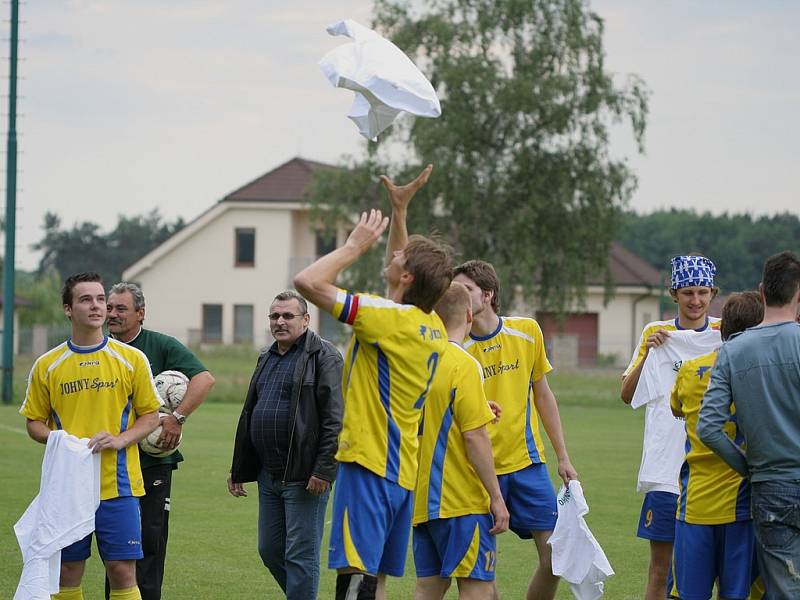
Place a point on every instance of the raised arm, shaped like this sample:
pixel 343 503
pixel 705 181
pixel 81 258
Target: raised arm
pixel 317 282
pixel 400 197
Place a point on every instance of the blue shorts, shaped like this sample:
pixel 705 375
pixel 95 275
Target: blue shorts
pixel 371 522
pixel 704 553
pixel 657 521
pixel 118 526
pixel 530 499
pixel 456 547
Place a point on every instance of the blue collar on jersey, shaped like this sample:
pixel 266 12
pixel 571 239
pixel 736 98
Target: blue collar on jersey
pixel 679 328
pixel 491 335
pixel 87 349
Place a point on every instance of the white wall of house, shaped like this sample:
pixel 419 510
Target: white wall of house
pixel 621 321
pixel 200 269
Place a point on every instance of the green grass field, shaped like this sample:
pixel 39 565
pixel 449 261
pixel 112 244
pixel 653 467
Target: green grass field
pixel 212 550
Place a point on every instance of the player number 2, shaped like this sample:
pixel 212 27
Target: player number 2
pixel 489 554
pixel 433 361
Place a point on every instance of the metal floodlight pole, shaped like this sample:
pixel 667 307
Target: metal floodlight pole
pixel 11 213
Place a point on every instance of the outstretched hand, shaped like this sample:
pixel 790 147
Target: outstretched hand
pixel 400 195
pixel 368 231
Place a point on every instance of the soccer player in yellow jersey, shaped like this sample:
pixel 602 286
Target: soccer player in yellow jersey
pixel 92 386
pixel 389 368
pixel 515 366
pixel 692 289
pixel 713 534
pixel 458 506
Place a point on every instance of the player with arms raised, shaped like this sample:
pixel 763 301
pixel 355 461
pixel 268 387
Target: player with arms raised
pixel 389 366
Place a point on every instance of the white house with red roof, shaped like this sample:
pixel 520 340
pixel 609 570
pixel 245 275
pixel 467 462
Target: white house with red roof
pixel 213 281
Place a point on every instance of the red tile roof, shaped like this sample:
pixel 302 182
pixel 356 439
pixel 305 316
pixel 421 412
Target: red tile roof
pixel 629 269
pixel 286 182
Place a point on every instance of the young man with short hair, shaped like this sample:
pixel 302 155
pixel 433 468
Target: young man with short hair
pixel 95 387
pixel 458 507
pixel 515 366
pixel 389 367
pixel 759 371
pixel 692 289
pixel 714 530
pixel 126 314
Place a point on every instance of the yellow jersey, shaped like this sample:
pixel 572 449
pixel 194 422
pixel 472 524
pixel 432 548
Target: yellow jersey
pixel 513 358
pixel 388 371
pixel 88 390
pixel 671 325
pixel 711 493
pixel 447 484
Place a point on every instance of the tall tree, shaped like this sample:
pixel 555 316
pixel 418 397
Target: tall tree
pixel 523 176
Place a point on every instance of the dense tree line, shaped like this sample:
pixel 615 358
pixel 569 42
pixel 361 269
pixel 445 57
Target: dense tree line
pixel 738 243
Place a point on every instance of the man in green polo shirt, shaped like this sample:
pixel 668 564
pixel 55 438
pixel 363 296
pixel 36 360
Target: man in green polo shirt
pixel 165 353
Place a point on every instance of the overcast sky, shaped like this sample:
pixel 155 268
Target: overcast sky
pixel 137 104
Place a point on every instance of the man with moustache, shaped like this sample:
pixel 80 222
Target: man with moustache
pixel 126 310
pixel 286 440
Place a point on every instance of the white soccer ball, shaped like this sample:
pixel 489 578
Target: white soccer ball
pixel 150 446
pixel 171 386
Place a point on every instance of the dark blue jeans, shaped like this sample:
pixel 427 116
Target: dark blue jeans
pixel 776 517
pixel 290 522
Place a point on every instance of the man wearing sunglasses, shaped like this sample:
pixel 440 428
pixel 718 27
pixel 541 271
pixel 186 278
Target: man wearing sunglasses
pixel 286 441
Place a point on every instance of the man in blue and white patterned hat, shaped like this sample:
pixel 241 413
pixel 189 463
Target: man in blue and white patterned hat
pixel 692 288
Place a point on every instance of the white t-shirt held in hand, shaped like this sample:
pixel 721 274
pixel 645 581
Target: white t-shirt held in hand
pixel 665 436
pixel 61 514
pixel 577 556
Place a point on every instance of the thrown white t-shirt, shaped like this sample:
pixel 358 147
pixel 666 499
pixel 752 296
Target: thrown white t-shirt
pixel 577 556
pixel 61 514
pixel 384 79
pixel 664 446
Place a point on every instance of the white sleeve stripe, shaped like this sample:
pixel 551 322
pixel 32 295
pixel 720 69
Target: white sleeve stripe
pixel 67 353
pixel 116 355
pixel 378 302
pixel 517 333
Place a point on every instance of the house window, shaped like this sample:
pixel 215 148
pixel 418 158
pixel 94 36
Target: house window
pixel 212 323
pixel 325 242
pixel 242 323
pixel 245 248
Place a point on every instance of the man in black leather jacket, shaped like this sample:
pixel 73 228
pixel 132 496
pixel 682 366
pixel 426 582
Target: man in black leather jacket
pixel 286 441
